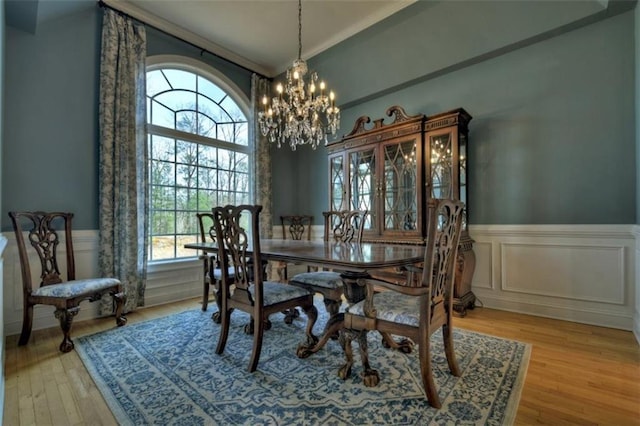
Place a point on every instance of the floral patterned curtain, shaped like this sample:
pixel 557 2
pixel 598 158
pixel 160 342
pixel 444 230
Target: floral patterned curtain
pixel 259 88
pixel 123 157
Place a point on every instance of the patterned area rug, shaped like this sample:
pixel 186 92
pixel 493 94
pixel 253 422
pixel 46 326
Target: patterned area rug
pixel 165 371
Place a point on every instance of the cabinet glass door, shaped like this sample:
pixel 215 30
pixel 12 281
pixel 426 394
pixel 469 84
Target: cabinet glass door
pixel 337 188
pixel 442 176
pixel 400 187
pixel 363 184
pixel 463 175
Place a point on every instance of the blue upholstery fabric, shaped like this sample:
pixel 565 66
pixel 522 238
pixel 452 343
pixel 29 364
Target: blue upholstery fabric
pixel 393 306
pixel 75 288
pixel 325 279
pixel 278 292
pixel 217 273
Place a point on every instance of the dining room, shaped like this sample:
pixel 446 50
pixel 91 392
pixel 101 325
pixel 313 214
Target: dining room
pixel 534 102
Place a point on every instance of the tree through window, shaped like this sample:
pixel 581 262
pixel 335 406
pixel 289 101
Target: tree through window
pixel 199 155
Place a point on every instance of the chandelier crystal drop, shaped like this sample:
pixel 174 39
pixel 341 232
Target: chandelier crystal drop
pixel 302 112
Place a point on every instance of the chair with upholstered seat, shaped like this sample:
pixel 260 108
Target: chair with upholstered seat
pixel 237 234
pixel 65 296
pixel 294 227
pixel 346 226
pixel 417 308
pixel 212 275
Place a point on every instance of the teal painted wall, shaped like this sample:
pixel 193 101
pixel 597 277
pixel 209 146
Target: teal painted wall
pixel 552 140
pixel 50 151
pixel 50 157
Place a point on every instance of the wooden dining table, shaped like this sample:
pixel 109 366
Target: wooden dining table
pixel 354 261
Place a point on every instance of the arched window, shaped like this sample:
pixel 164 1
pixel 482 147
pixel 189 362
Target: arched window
pixel 199 151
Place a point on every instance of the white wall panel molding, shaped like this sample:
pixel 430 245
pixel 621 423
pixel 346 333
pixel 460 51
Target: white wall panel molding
pixel 594 274
pixel 636 311
pixel 559 270
pixel 583 273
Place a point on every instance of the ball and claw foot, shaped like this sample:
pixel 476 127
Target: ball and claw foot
pixel 216 317
pixel 66 345
pixel 304 351
pixel 404 345
pixel 370 377
pixel 120 321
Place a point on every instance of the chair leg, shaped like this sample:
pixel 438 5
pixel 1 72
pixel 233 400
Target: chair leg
pixel 65 316
pixel 119 300
pixel 370 377
pixel 205 294
pixel 258 333
pixel 225 320
pixel 424 353
pixel 332 307
pixel 447 335
pixel 312 316
pixel 27 324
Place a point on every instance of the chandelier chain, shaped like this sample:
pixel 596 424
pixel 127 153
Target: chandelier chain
pixel 299 29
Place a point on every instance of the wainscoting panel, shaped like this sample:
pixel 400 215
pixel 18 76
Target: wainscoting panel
pixel 483 274
pixel 582 273
pixel 562 270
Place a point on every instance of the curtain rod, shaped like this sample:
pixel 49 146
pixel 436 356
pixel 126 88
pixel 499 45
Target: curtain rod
pixel 102 4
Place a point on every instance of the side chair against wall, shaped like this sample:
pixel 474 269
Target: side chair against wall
pixel 416 309
pixel 344 226
pixel 66 295
pixel 240 248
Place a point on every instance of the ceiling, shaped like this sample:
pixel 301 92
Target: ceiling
pixel 261 35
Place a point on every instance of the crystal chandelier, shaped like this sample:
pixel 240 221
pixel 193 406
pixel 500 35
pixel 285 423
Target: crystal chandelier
pixel 302 112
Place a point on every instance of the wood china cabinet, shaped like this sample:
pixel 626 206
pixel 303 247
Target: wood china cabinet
pixel 392 169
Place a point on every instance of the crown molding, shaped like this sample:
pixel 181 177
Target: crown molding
pixel 186 35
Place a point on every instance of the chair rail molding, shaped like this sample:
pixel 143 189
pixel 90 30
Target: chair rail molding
pixel 581 273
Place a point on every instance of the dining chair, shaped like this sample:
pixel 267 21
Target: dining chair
pixel 65 295
pixel 237 233
pixel 344 226
pixel 212 275
pixel 294 227
pixel 415 309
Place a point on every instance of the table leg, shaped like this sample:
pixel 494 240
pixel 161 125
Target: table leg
pixel 353 293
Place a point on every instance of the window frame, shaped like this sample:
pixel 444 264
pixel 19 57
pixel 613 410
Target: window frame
pixel 205 71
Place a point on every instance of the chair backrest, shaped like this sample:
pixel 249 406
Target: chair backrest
pixel 444 227
pixel 239 247
pixel 43 228
pixel 297 225
pixel 345 226
pixel 206 227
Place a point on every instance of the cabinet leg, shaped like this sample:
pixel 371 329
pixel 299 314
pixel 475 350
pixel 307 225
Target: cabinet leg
pixel 461 304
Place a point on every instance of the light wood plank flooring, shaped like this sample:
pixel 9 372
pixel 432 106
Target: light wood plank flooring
pixel 578 374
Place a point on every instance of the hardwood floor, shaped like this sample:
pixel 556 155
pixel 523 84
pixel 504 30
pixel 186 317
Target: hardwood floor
pixel 578 374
